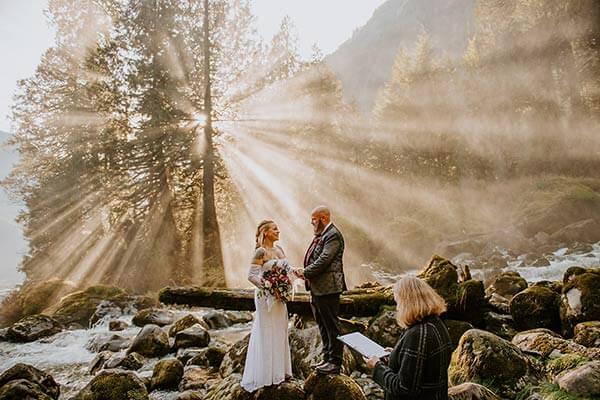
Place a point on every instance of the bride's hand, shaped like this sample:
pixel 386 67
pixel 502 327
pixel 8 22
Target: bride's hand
pixel 299 272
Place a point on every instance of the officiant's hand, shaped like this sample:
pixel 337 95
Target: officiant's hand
pixel 371 361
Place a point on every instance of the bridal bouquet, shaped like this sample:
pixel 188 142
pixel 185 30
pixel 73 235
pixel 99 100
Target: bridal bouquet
pixel 277 283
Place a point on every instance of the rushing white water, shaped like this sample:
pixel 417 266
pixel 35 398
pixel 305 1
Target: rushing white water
pixel 67 359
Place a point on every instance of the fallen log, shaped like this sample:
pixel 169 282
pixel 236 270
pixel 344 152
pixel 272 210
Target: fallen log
pixel 356 302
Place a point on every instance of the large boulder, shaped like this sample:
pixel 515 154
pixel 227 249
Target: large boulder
pixel 167 374
pixel 79 307
pixel 151 341
pixel 114 385
pixel 536 307
pixel 40 295
pixel 198 378
pixel 328 387
pixel 579 301
pixel 583 381
pixel 217 319
pixel 24 372
pixel 32 328
pixel 506 284
pixel 131 361
pixel 210 357
pixel 194 336
pixel 471 391
pixel 21 389
pixel 482 357
pixel 499 324
pixel 546 343
pixel 465 300
pixel 587 334
pixel 384 329
pixel 154 316
pixel 235 358
pixel 572 272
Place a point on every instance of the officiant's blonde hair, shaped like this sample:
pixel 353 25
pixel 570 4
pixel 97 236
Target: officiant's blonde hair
pixel 416 300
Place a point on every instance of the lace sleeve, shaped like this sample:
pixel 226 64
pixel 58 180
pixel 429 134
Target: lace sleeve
pixel 254 274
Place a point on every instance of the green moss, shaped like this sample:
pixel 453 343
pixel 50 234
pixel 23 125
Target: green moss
pixel 560 364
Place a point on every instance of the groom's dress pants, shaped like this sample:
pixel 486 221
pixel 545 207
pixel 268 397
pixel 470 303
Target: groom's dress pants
pixel 326 309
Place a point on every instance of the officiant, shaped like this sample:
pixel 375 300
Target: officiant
pixel 418 365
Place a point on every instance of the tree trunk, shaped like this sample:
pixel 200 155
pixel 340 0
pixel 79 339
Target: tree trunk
pixel 213 272
pixel 357 302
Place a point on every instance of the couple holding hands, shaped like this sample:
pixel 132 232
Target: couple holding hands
pixel 417 365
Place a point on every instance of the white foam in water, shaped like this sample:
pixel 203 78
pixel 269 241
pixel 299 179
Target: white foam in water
pixel 559 263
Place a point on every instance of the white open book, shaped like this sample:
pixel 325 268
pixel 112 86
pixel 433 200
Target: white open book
pixel 363 345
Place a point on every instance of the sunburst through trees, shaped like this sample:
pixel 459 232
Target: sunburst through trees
pixel 154 135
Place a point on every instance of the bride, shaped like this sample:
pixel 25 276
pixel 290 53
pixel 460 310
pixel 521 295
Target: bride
pixel 268 361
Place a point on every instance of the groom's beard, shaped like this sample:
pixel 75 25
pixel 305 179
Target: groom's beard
pixel 319 228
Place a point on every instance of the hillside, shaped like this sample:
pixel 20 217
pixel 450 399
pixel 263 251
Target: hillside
pixel 363 63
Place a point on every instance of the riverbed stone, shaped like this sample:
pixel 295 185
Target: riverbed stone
pixel 132 361
pixel 455 328
pixel 81 305
pixel 154 316
pixel 536 307
pixel 217 319
pixel 167 374
pixel 35 376
pixel 548 344
pixel 500 324
pixel 32 328
pixel 114 385
pixel 587 334
pixel 506 284
pixel 211 356
pixel 22 389
pixel 235 358
pixel 117 325
pixel 579 301
pixel 151 341
pixel 583 381
pixel 186 322
pixel 384 329
pixel 482 357
pixel 194 336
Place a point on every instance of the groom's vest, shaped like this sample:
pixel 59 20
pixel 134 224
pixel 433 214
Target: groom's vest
pixel 323 265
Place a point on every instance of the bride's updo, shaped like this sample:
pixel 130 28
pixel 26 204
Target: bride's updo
pixel 260 231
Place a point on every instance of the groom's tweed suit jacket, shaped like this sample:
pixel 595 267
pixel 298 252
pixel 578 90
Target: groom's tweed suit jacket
pixel 324 267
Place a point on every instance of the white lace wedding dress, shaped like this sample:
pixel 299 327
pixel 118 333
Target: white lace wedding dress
pixel 268 361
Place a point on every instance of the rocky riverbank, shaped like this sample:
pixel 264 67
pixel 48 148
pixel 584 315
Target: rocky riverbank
pixel 513 338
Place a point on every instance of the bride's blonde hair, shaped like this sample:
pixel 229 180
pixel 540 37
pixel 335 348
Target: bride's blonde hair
pixel 260 232
pixel 416 300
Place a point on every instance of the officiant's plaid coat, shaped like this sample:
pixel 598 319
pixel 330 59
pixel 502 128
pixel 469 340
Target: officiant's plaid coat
pixel 418 366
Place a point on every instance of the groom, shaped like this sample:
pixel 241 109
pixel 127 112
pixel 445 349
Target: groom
pixel 324 275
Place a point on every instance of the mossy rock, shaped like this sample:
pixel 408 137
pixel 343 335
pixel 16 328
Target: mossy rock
pixel 500 324
pixel 229 389
pixel 506 284
pixel 484 358
pixel 384 329
pixel 32 328
pixel 555 286
pixel 572 272
pixel 114 385
pixel 284 391
pixel 80 306
pixel 42 380
pixel 465 300
pixel 548 344
pixel 582 382
pixel 579 301
pixel 564 363
pixel 587 334
pixel 167 374
pixel 328 387
pixel 536 307
pixel 38 296
pixel 22 389
pixel 235 358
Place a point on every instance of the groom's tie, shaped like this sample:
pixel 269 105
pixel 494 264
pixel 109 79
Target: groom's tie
pixel 310 250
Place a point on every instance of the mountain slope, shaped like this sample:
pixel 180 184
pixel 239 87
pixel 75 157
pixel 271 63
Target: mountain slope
pixel 364 62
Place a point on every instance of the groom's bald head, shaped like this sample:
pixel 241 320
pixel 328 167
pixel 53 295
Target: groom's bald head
pixel 319 218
